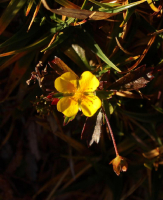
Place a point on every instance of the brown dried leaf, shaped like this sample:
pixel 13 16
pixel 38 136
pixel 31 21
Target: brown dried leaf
pixel 13 80
pixel 64 68
pixel 97 130
pixel 32 138
pixel 132 189
pixel 58 178
pixel 139 83
pixel 151 41
pixel 128 94
pixel 78 13
pixel 49 124
pixel 29 7
pixel 17 159
pixel 80 173
pixel 59 182
pixel 35 14
pixel 134 80
pixel 38 74
pixel 153 153
pixel 12 60
pixel 8 135
pixel 120 46
pixel 16 75
pixel 6 190
pixel 31 166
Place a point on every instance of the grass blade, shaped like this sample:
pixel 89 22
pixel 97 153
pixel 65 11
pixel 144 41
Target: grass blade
pixel 89 41
pixel 121 8
pixel 12 9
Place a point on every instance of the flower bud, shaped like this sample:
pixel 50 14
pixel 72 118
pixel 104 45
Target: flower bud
pixel 54 101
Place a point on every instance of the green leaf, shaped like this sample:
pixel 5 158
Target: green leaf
pixel 20 36
pixel 35 45
pixel 68 119
pixel 12 9
pixel 158 109
pixel 77 58
pixel 78 54
pixel 61 38
pixel 104 94
pixel 128 15
pixel 90 42
pixel 107 108
pixel 121 8
pixel 100 4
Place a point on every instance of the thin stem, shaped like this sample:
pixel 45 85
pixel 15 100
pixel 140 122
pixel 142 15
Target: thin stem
pixel 83 6
pixel 111 132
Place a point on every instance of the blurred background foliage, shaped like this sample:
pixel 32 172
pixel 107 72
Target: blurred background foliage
pixel 121 43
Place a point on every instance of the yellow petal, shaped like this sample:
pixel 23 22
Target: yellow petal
pixel 66 83
pixel 68 106
pixel 88 82
pixel 90 104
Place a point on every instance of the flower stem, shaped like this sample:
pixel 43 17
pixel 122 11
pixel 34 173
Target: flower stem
pixel 111 132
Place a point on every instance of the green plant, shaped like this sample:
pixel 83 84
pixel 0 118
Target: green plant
pixel 42 153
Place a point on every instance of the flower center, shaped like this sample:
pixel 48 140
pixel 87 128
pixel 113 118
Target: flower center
pixel 78 95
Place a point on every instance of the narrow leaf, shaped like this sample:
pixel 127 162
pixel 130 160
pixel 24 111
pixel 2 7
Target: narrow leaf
pixel 100 4
pixel 78 55
pixel 59 39
pixel 35 14
pixel 158 109
pixel 12 60
pixel 18 71
pixel 35 45
pixel 90 42
pixel 20 36
pixel 121 8
pixel 29 7
pixel 68 119
pixel 12 9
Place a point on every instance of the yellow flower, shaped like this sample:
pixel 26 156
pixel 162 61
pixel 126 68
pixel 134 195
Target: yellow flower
pixel 78 94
